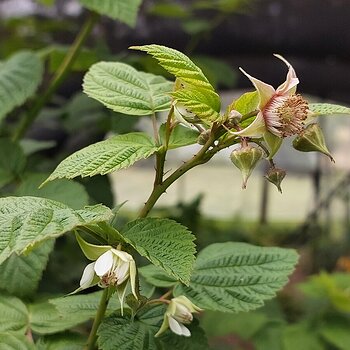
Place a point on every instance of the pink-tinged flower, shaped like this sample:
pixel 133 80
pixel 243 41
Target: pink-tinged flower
pixel 281 110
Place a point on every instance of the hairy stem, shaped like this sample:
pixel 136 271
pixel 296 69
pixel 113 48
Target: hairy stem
pixel 58 78
pixel 97 321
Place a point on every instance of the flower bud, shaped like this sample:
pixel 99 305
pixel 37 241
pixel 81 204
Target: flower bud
pixel 275 176
pixel 233 118
pixel 245 159
pixel 311 139
pixel 178 313
pixel 203 137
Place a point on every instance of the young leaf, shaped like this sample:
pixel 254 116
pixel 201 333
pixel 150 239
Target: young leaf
pixel 26 221
pixel 104 157
pixel 324 109
pixel 180 136
pixel 165 243
pixel 246 103
pixel 13 315
pixel 12 161
pixel 156 276
pixel 13 341
pixel 178 64
pixel 233 277
pixel 20 76
pixel 20 274
pixel 123 89
pixel 124 11
pixel 205 106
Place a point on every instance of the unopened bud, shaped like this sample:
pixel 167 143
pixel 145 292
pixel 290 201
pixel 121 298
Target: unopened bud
pixel 311 139
pixel 275 176
pixel 234 117
pixel 245 159
pixel 203 137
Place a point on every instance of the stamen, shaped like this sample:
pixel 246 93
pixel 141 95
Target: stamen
pixel 285 115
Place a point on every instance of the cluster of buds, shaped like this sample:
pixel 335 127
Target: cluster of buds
pixel 178 313
pixel 110 267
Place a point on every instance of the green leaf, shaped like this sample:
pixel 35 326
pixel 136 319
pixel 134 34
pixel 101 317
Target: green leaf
pixel 30 146
pixel 20 76
pixel 13 315
pixel 20 274
pixel 165 243
pixel 10 341
pixel 301 336
pixel 104 157
pixel 336 333
pixel 66 341
pixel 68 192
pixel 180 136
pixel 124 11
pixel 178 64
pixel 26 221
pixel 246 103
pixel 156 276
pixel 12 161
pixel 116 332
pixel 233 277
pixel 121 333
pixel 205 105
pixel 324 109
pixel 169 10
pixel 123 89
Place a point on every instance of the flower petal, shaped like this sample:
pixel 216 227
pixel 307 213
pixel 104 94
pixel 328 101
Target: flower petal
pixel 175 326
pixel 122 271
pixel 122 255
pixel 185 331
pixel 133 273
pixel 88 276
pixel 256 129
pixel 265 91
pixel 104 263
pixel 290 85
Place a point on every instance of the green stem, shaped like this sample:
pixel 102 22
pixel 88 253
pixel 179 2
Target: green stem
pixel 58 78
pixel 99 316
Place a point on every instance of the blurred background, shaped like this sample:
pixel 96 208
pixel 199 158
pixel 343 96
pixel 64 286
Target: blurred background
pixel 312 214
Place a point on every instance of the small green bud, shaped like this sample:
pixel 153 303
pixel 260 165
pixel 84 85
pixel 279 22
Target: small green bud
pixel 275 176
pixel 203 137
pixel 245 159
pixel 233 118
pixel 311 139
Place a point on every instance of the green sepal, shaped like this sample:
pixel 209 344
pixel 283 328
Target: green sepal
pixel 273 143
pixel 91 251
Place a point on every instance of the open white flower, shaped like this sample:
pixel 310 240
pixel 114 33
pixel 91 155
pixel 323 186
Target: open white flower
pixel 178 313
pixel 112 267
pixel 281 111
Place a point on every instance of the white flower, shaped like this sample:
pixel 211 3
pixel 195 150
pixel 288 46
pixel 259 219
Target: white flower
pixel 178 313
pixel 112 267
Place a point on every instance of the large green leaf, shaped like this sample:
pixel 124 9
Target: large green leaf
pixel 156 276
pixel 234 277
pixel 20 274
pixel 123 89
pixel 12 161
pixel 11 341
pixel 65 191
pixel 124 11
pixel 324 109
pixel 121 333
pixel 20 76
pixel 165 243
pixel 26 221
pixel 336 332
pixel 104 157
pixel 13 315
pixel 178 64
